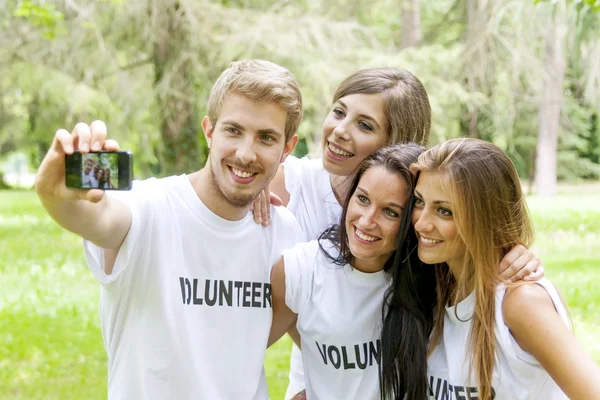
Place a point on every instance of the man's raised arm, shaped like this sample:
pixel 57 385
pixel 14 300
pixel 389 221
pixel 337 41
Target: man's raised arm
pixel 90 214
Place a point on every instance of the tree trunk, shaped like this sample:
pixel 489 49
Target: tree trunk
pixel 549 113
pixel 411 24
pixel 174 83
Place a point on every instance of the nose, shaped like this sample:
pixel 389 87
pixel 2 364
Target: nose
pixel 341 130
pixel 245 151
pixel 367 220
pixel 422 220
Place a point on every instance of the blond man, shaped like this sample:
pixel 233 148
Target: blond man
pixel 185 298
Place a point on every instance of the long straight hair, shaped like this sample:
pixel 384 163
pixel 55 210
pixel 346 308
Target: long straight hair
pixel 407 315
pixel 491 218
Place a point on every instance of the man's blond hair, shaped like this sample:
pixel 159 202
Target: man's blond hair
pixel 260 81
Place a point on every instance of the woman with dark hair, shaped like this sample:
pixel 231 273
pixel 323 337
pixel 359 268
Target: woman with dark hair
pixel 100 177
pixel 336 286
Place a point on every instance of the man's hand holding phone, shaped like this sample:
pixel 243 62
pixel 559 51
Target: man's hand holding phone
pixel 87 213
pixel 50 180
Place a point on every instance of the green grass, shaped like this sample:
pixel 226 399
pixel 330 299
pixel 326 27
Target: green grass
pixel 50 341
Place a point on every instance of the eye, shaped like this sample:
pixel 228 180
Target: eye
pixel 445 212
pixel 364 126
pixel 232 130
pixel 362 199
pixel 338 112
pixel 391 213
pixel 267 138
pixel 418 202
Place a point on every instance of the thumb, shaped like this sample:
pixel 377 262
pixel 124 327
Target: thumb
pixel 94 195
pixel 275 200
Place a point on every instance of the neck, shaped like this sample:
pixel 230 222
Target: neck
pixel 371 266
pixel 214 201
pixel 457 268
pixel 340 185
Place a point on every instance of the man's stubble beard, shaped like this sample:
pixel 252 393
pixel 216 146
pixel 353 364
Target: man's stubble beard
pixel 236 201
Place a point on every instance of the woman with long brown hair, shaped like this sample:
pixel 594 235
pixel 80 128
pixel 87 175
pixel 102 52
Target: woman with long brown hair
pixel 490 340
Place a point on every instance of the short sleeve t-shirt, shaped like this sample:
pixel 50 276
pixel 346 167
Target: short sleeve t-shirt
pixel 517 375
pixel 339 321
pixel 186 312
pixel 312 200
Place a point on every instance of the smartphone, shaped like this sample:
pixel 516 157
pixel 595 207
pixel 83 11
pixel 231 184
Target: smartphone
pixel 100 170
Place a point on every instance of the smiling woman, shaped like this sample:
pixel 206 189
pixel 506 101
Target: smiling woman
pixel 490 339
pixel 340 281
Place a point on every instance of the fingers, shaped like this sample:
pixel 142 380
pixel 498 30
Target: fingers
pixel 523 266
pixel 266 206
pixel 92 137
pixel 507 266
pixel 257 210
pixel 82 136
pixel 535 275
pixel 63 142
pixel 98 135
pixel 528 267
pixel 111 145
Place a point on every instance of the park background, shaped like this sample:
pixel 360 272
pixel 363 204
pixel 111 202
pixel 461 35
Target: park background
pixel 523 74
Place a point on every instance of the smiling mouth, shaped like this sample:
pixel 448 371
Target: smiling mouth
pixel 363 236
pixel 240 173
pixel 427 242
pixel 338 151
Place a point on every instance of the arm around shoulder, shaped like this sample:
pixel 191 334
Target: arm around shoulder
pixel 283 317
pixel 535 324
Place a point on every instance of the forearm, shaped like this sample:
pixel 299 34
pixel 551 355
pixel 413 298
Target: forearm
pixel 104 223
pixel 295 335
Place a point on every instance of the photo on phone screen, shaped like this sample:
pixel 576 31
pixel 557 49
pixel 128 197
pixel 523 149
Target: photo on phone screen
pixel 102 170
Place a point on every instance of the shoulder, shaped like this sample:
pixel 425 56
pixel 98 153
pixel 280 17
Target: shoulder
pixel 282 218
pixel 295 168
pixel 302 251
pixel 524 303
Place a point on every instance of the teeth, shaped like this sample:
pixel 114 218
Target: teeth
pixel 337 151
pixel 429 241
pixel 242 174
pixel 364 236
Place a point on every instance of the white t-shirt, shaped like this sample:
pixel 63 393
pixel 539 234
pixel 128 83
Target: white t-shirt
pixel 339 321
pixel 312 200
pixel 89 180
pixel 517 375
pixel 186 312
pixel 314 205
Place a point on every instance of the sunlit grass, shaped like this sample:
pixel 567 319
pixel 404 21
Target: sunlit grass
pixel 50 341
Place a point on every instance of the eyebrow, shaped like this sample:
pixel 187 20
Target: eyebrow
pixel 265 131
pixel 365 116
pixel 391 203
pixel 436 201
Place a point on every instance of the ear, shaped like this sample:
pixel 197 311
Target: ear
pixel 289 147
pixel 208 129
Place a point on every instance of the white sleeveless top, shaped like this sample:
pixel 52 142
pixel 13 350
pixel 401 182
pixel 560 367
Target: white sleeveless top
pixel 517 374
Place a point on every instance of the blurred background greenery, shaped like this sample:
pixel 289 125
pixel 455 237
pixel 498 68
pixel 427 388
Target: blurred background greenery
pixel 524 74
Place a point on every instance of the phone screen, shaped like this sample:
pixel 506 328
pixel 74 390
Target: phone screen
pixel 99 171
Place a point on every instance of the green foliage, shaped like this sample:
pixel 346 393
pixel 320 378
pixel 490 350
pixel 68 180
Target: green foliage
pixel 44 16
pixel 129 64
pixel 50 340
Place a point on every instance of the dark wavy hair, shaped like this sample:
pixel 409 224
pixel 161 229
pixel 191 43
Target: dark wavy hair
pixel 407 313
